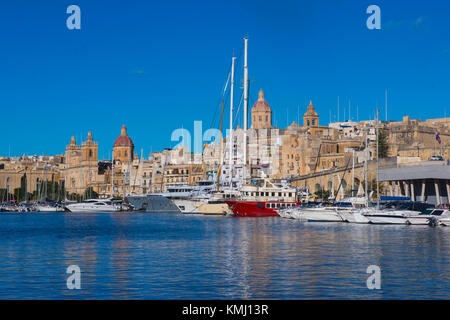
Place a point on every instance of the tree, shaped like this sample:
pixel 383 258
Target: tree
pixel 382 144
pixel 323 194
pixel 89 193
pixel 23 187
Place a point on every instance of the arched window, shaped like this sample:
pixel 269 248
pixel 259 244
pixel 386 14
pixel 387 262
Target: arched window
pixel 313 122
pixel 90 153
pixel 307 122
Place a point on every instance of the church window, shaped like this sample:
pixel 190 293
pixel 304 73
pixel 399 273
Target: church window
pixel 313 122
pixel 126 153
pixel 307 122
pixel 267 119
pixel 90 153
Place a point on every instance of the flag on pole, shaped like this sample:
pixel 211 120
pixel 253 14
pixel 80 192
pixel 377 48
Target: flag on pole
pixel 438 139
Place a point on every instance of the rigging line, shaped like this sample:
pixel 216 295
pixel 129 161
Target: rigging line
pixel 239 106
pixel 223 90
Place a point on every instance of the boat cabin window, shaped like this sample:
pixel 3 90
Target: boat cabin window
pixel 437 212
pixel 427 211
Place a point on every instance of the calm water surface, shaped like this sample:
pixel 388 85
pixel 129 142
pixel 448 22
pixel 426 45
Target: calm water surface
pixel 174 256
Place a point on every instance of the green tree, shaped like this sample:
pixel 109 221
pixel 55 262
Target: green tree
pixel 23 187
pixel 89 193
pixel 382 144
pixel 323 194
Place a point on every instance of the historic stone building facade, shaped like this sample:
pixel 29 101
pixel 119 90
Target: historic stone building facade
pixel 261 113
pixel 81 170
pixel 123 148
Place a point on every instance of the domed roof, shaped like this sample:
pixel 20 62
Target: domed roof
pixel 261 104
pixel 310 111
pixel 123 140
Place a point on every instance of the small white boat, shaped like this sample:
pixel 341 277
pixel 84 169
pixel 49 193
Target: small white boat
pixel 354 216
pixel 386 216
pixel 94 205
pixel 317 214
pixel 357 206
pixel 430 216
pixel 49 208
pixel 395 213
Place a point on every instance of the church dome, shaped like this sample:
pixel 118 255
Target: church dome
pixel 123 140
pixel 311 111
pixel 261 105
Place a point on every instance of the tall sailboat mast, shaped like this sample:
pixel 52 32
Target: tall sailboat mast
pixel 245 107
pixel 378 188
pixel 219 170
pixel 231 122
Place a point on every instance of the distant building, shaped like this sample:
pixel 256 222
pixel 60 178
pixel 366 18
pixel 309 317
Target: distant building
pixel 123 148
pixel 261 113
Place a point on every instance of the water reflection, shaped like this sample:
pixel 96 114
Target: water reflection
pixel 170 256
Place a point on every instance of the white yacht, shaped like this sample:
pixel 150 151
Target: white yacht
pixel 49 207
pixel 94 205
pixel 430 216
pixel 170 200
pixel 394 212
pixel 317 213
pixel 359 207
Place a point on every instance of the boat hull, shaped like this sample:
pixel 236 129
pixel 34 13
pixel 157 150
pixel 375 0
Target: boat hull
pixel 251 209
pixel 187 206
pixel 386 219
pixel 152 203
pixel 317 215
pixel 424 220
pixel 353 217
pixel 214 209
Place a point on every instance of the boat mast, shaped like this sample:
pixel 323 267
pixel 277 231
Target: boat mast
pixel 353 171
pixel 245 107
pixel 112 174
pixel 378 188
pixel 231 122
pixel 221 146
pixel 366 169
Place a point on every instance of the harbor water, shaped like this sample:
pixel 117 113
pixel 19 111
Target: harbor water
pixel 174 256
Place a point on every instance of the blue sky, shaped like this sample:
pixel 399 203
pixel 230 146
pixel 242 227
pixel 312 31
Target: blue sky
pixel 160 65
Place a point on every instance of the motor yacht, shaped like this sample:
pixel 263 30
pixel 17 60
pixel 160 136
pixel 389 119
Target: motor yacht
pixel 263 198
pixel 395 212
pixel 431 217
pixel 94 205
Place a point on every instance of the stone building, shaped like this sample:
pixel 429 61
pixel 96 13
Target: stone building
pixel 30 173
pixel 123 148
pixel 81 170
pixel 261 113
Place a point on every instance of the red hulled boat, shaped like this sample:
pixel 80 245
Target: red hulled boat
pixel 263 199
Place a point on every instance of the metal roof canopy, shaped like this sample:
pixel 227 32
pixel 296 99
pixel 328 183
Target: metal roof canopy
pixel 415 172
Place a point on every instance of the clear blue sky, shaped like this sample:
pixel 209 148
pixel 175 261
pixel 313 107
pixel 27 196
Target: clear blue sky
pixel 159 65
